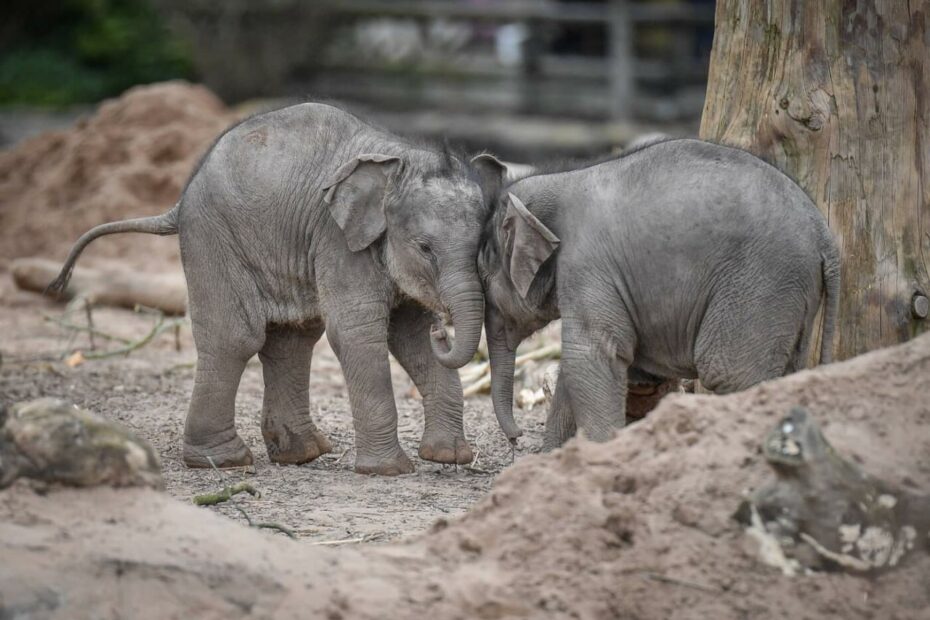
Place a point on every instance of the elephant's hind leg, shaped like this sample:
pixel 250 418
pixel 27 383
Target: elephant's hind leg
pixel 210 437
pixel 443 438
pixel 290 435
pixel 746 351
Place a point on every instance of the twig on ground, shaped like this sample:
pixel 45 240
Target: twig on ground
pixel 266 526
pixel 472 467
pixel 225 494
pixel 232 499
pixel 82 328
pixel 679 582
pixel 90 324
pixel 344 541
pixel 160 326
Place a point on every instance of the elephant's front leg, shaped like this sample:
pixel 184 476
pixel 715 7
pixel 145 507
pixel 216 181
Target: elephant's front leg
pixel 560 424
pixel 595 359
pixel 443 438
pixel 358 330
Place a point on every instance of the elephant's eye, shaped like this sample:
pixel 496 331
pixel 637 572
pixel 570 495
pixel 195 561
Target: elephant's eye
pixel 425 248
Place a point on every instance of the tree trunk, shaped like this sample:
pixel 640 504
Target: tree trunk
pixel 835 94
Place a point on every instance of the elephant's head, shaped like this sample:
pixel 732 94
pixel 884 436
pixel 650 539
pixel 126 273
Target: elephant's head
pixel 519 283
pixel 426 211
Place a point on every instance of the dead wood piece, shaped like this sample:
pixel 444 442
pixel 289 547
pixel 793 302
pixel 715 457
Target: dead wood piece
pixel 825 512
pixel 225 494
pixel 113 286
pixel 55 442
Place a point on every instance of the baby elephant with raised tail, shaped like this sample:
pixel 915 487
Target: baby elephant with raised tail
pixel 683 259
pixel 305 219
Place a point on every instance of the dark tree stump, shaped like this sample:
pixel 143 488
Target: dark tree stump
pixel 825 512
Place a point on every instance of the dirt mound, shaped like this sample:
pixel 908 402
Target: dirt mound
pixel 131 159
pixel 641 527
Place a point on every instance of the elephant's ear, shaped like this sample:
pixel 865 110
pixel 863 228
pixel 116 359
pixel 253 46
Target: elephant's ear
pixel 526 242
pixel 492 173
pixel 355 196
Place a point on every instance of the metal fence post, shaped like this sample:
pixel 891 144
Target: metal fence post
pixel 620 61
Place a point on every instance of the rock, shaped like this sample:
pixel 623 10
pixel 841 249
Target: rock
pixel 56 442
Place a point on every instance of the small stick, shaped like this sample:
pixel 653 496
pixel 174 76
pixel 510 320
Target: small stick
pixel 82 328
pixel 225 494
pixel 266 526
pixel 679 582
pixel 345 541
pixel 160 326
pixel 90 324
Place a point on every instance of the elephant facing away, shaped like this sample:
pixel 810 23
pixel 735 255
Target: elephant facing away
pixel 307 219
pixel 682 259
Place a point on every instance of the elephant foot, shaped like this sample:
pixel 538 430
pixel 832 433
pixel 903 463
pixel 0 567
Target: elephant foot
pixel 230 453
pixel 294 446
pixel 395 464
pixel 445 448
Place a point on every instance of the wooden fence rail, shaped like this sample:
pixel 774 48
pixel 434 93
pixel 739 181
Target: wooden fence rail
pixel 543 83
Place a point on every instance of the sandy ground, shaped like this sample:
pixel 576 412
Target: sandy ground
pixel 639 527
pixel 324 500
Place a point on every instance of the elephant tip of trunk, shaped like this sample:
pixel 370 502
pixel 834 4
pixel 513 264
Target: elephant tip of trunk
pixel 511 431
pixel 449 356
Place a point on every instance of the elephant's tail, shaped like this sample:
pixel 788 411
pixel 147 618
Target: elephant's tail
pixel 164 224
pixel 830 267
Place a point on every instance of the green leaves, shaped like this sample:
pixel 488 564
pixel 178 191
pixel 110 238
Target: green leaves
pixel 84 50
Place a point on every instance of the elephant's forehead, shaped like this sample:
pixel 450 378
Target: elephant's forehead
pixel 452 190
pixel 450 200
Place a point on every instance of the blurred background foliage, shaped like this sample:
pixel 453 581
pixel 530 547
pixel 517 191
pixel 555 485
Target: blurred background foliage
pixel 61 52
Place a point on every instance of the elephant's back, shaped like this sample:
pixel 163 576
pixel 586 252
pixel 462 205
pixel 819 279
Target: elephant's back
pixel 705 201
pixel 271 153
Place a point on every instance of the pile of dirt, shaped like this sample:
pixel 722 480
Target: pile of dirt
pixel 131 159
pixel 640 527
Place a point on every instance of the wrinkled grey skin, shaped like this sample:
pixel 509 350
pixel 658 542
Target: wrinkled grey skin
pixel 306 219
pixel 683 259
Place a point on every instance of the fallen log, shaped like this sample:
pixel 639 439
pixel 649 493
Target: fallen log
pixel 111 286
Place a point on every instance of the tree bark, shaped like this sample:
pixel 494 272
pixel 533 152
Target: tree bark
pixel 835 94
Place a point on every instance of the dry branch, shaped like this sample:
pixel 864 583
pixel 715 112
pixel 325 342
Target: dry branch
pixel 113 286
pixel 160 326
pixel 478 377
pixel 225 494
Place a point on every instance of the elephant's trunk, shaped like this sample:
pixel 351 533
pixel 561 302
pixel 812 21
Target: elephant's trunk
pixel 465 299
pixel 502 359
